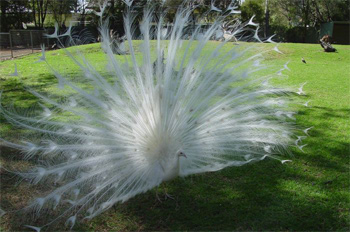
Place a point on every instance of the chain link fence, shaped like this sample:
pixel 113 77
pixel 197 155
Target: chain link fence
pixel 21 42
pixel 17 43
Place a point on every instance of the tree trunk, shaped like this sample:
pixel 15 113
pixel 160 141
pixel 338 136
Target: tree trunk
pixel 4 24
pixel 306 9
pixel 267 19
pixel 34 13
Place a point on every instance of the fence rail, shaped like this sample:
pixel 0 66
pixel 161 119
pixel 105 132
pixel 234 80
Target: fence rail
pixel 21 42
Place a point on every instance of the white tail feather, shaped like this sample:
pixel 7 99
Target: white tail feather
pixel 187 111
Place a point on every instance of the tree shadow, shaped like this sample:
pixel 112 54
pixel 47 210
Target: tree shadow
pixel 307 194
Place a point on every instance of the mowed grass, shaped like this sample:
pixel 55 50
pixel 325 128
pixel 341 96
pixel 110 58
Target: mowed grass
pixel 310 193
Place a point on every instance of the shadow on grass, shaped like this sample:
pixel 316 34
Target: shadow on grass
pixel 311 193
pixel 308 194
pixel 14 90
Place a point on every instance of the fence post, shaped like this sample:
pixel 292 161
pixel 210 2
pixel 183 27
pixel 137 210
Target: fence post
pixel 31 40
pixel 48 41
pixel 11 44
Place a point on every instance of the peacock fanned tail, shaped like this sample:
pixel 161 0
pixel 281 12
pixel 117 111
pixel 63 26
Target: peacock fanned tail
pixel 178 104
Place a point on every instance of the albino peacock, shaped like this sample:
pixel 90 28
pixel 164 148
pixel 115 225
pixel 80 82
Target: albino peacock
pixel 180 110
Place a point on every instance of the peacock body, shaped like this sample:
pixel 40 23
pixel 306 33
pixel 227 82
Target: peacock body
pixel 179 111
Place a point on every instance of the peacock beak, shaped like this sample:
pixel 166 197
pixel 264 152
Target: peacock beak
pixel 182 154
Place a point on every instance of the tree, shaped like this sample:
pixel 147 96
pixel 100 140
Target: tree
pixel 81 7
pixel 329 10
pixel 4 23
pixel 250 8
pixel 305 9
pixel 284 12
pixel 267 18
pixel 304 14
pixel 60 9
pixel 39 9
pixel 13 14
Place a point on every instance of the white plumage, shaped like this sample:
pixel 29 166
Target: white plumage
pixel 194 112
pixel 214 8
pixel 15 73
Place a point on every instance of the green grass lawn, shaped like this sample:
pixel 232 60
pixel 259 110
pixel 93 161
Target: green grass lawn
pixel 310 193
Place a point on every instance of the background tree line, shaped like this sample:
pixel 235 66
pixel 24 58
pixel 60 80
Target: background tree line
pixel 282 17
pixel 15 14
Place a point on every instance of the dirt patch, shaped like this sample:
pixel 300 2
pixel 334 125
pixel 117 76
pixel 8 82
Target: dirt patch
pixel 5 54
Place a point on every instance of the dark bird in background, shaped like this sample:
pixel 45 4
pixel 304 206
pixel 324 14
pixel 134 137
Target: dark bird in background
pixel 302 60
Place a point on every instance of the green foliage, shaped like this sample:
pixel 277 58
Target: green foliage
pixel 280 32
pixel 286 14
pixel 13 14
pixel 329 10
pixel 250 8
pixel 172 7
pixel 39 10
pixel 295 35
pixel 309 194
pixel 61 10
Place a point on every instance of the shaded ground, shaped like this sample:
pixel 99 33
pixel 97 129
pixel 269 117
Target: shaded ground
pixel 5 54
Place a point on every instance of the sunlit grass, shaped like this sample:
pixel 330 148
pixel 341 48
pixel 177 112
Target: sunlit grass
pixel 310 193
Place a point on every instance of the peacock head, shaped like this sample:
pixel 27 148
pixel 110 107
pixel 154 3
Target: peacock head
pixel 173 160
pixel 171 166
pixel 181 154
